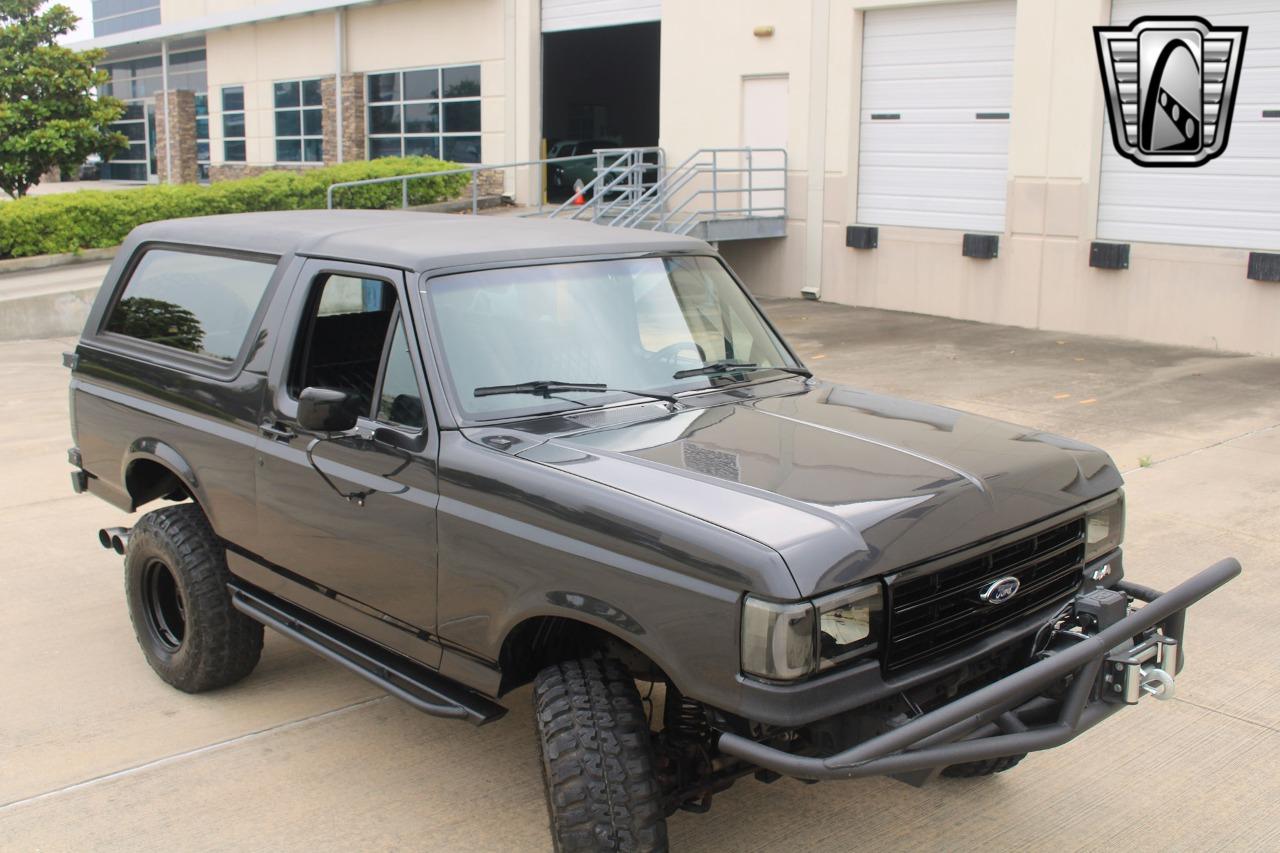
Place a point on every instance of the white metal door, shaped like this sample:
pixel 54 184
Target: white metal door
pixel 560 15
pixel 937 93
pixel 765 115
pixel 1233 200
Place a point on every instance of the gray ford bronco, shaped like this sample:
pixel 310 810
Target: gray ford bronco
pixel 457 455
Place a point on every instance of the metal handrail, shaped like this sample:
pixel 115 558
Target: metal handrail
pixel 474 171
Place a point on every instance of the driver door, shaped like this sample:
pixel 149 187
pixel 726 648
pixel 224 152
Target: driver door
pixel 367 534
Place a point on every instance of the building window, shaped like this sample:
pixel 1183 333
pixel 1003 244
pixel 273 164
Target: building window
pixel 233 124
pixel 299 122
pixel 117 16
pixel 202 135
pixel 433 112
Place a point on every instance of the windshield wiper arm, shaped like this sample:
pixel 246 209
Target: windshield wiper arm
pixel 730 366
pixel 548 387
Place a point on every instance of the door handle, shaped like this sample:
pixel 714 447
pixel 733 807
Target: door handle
pixel 278 433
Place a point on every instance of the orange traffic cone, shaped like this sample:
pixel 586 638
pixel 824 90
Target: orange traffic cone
pixel 578 198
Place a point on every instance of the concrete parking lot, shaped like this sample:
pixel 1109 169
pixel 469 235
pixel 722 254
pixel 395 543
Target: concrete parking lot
pixel 96 753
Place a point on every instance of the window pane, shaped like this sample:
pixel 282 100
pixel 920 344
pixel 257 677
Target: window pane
pixel 347 336
pixel 422 85
pixel 400 401
pixel 462 116
pixel 233 151
pixel 421 118
pixel 384 147
pixel 137 151
pixel 197 303
pixel 202 128
pixel 384 87
pixel 287 94
pixel 233 125
pixel 288 122
pixel 462 149
pixel 422 146
pixel 311 96
pixel 313 150
pixel 461 82
pixel 288 150
pixel 384 119
pixel 202 105
pixel 202 150
pixel 132 130
pixel 312 122
pixel 233 98
pixel 124 171
pixel 133 111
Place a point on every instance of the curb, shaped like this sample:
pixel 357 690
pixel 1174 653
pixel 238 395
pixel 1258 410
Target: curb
pixel 40 262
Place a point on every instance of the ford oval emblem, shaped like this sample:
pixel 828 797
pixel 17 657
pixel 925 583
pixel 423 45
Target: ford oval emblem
pixel 998 592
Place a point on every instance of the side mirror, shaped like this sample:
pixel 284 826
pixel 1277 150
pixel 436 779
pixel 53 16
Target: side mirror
pixel 326 410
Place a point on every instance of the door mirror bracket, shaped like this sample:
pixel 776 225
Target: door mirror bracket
pixel 326 410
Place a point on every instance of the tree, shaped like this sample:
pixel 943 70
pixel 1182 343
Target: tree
pixel 48 113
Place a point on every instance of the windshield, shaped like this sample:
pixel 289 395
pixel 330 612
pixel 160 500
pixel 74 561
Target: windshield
pixel 627 324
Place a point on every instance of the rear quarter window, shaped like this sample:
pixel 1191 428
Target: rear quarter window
pixel 196 303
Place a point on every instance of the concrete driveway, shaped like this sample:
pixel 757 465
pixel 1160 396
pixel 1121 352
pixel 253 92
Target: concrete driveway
pixel 96 753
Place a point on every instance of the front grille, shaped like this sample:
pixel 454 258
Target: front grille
pixel 936 612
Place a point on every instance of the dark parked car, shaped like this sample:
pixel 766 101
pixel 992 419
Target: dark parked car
pixel 461 454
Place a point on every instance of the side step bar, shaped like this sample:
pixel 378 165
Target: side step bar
pixel 418 685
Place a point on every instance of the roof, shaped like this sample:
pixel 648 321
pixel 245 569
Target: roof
pixel 411 240
pixel 218 20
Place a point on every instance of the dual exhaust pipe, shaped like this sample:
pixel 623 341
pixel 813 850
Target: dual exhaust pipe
pixel 114 539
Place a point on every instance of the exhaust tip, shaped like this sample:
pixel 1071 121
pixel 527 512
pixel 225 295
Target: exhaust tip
pixel 119 544
pixel 104 538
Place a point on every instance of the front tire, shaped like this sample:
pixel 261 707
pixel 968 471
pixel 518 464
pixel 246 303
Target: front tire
pixel 175 573
pixel 597 759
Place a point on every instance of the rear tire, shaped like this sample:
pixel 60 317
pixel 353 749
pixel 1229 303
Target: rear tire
pixel 597 759
pixel 175 577
pixel 973 769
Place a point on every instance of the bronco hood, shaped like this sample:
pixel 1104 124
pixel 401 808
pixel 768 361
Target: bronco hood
pixel 844 484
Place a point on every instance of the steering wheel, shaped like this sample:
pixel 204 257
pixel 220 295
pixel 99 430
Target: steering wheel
pixel 667 354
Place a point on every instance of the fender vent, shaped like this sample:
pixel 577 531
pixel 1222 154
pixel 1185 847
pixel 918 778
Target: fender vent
pixel 934 613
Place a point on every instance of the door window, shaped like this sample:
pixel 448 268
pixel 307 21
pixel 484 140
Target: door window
pixel 355 341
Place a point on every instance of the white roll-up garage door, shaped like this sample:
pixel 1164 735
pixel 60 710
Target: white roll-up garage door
pixel 560 15
pixel 1233 200
pixel 937 91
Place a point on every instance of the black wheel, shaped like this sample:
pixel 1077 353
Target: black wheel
pixel 972 769
pixel 175 578
pixel 597 759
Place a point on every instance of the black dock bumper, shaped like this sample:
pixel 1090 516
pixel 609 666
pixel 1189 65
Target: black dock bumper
pixel 1023 712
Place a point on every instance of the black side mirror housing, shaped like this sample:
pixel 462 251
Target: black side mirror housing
pixel 326 410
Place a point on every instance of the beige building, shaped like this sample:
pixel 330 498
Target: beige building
pixel 907 126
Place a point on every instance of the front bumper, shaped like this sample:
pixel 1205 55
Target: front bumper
pixel 1014 715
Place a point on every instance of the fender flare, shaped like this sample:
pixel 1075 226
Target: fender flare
pixel 166 456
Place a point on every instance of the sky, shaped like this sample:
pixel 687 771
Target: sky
pixel 83 8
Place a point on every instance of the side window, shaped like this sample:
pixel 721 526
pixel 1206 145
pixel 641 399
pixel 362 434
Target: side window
pixel 400 401
pixel 346 329
pixel 202 304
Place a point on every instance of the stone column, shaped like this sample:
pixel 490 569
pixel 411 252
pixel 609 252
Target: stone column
pixel 352 118
pixel 180 151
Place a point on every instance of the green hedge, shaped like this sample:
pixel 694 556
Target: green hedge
pixel 42 225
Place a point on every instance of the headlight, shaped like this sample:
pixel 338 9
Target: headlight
pixel 785 642
pixel 848 623
pixel 1104 528
pixel 777 639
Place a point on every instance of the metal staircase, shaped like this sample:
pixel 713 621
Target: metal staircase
pixel 715 194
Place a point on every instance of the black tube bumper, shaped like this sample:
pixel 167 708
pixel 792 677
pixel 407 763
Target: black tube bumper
pixel 1008 717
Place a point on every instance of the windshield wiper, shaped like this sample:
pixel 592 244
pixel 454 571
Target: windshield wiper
pixel 731 366
pixel 548 387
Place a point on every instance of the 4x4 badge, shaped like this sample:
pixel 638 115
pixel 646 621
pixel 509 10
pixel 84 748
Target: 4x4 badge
pixel 1171 86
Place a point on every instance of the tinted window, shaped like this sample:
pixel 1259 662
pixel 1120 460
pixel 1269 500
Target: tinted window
pixel 202 304
pixel 400 401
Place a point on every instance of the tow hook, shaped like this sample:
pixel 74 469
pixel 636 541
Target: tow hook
pixel 1143 669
